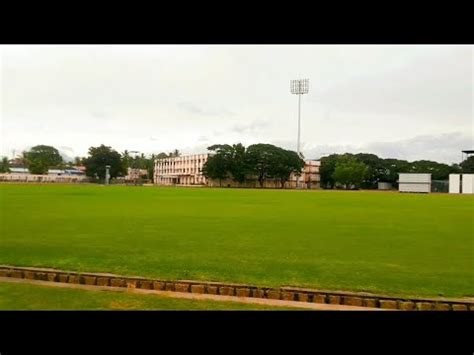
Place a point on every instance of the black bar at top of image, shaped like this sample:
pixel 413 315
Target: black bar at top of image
pixel 293 25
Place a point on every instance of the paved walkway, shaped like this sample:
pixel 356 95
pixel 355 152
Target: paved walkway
pixel 195 296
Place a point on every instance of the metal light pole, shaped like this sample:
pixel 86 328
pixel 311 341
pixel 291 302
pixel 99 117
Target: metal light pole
pixel 299 87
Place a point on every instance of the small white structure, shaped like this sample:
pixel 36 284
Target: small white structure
pixel 384 185
pixel 414 182
pixel 19 171
pixel 467 183
pixel 454 183
pixel 461 183
pixel 20 177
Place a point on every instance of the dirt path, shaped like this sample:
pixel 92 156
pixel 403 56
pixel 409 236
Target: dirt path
pixel 195 296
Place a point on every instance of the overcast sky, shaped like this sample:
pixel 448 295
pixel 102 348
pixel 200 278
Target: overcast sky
pixel 409 102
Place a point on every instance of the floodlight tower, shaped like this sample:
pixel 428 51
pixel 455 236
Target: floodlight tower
pixel 299 87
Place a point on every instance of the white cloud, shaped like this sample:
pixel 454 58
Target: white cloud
pixel 444 148
pixel 157 98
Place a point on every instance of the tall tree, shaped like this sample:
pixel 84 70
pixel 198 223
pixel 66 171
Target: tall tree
pixel 42 157
pixel 438 171
pixel 391 169
pixel 239 167
pixel 4 165
pixel 232 159
pixel 175 153
pixel 328 164
pixel 216 167
pixel 467 165
pixel 101 156
pixel 78 161
pixel 349 172
pixel 385 170
pixel 261 160
pixel 288 162
pixel 375 169
pixel 21 160
pixel 151 165
pixel 126 159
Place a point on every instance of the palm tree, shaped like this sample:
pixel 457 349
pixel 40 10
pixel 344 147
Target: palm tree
pixel 126 159
pixel 23 159
pixel 175 153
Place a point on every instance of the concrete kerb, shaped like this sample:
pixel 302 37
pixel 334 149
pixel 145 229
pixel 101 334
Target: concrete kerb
pixel 194 296
pixel 292 294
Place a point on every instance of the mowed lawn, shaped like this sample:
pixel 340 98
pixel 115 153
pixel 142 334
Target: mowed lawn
pixel 383 242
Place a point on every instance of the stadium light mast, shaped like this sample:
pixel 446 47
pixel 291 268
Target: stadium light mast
pixel 299 87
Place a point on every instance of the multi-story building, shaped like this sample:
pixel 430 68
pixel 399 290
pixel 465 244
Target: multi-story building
pixel 184 170
pixel 187 170
pixel 310 178
pixel 135 174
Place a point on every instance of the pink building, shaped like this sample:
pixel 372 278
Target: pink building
pixel 184 170
pixel 309 178
pixel 187 170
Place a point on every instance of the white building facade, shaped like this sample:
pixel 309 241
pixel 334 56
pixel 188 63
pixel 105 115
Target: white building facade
pixel 461 183
pixel 184 170
pixel 467 183
pixel 410 182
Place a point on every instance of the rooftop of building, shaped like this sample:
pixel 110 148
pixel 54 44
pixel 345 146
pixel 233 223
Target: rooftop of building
pixel 187 157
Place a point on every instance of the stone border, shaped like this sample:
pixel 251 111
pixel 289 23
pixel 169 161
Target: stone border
pixel 238 290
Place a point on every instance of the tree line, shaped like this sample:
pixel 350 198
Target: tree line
pixel 257 161
pixel 366 170
pixel 236 162
pixel 39 159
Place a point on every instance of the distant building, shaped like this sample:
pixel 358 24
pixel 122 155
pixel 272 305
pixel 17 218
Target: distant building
pixel 55 172
pixel 467 183
pixel 19 171
pixel 310 178
pixel 53 175
pixel 187 170
pixel 183 170
pixel 80 168
pixel 71 171
pixel 16 163
pixel 21 177
pixel 461 183
pixel 384 185
pixel 408 182
pixel 76 170
pixel 135 174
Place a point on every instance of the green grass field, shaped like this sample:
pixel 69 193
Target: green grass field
pixel 15 296
pixel 401 244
